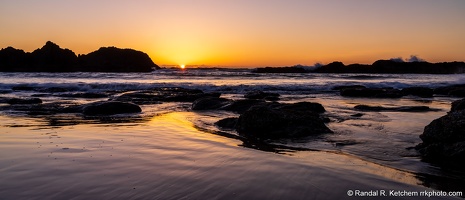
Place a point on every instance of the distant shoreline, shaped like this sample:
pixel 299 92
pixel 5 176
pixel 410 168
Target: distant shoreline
pixel 52 58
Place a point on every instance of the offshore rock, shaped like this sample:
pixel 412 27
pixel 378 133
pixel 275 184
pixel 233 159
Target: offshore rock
pixel 110 108
pixel 112 59
pixel 52 58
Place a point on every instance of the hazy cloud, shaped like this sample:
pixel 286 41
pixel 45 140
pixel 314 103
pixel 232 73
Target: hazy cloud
pixel 413 58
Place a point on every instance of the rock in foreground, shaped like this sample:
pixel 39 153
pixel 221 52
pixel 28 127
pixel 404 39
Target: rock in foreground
pixel 265 122
pixel 110 108
pixel 444 139
pixel 209 103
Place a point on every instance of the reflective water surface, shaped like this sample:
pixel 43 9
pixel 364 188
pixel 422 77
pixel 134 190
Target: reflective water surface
pixel 167 158
pixel 171 152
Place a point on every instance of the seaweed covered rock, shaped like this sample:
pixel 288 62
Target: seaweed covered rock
pixel 110 108
pixel 272 122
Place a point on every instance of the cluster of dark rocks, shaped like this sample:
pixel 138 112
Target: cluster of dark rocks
pixel 261 118
pixel 444 138
pixel 52 58
pixel 124 103
pixel 425 92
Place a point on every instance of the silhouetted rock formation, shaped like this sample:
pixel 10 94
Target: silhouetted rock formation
pixel 52 58
pixel 392 67
pixel 378 67
pixel 112 59
pixel 12 59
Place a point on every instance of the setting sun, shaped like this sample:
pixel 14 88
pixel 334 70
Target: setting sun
pixel 182 66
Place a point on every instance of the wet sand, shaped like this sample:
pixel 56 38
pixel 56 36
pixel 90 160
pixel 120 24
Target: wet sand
pixel 166 157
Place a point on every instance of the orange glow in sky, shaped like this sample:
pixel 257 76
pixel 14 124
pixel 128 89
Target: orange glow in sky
pixel 243 32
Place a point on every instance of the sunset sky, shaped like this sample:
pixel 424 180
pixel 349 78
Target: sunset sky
pixel 243 32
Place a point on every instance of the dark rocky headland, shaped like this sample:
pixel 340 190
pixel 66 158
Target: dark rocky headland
pixel 378 67
pixel 52 58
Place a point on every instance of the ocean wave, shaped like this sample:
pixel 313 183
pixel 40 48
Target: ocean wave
pixel 229 81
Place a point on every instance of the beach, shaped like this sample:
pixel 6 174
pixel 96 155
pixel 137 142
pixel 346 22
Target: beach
pixel 169 151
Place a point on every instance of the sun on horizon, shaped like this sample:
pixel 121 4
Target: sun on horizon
pixel 182 66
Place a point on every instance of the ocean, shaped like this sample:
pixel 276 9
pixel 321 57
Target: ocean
pixel 172 152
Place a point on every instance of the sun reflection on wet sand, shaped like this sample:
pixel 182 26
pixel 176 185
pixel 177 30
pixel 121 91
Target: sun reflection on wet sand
pixel 168 157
